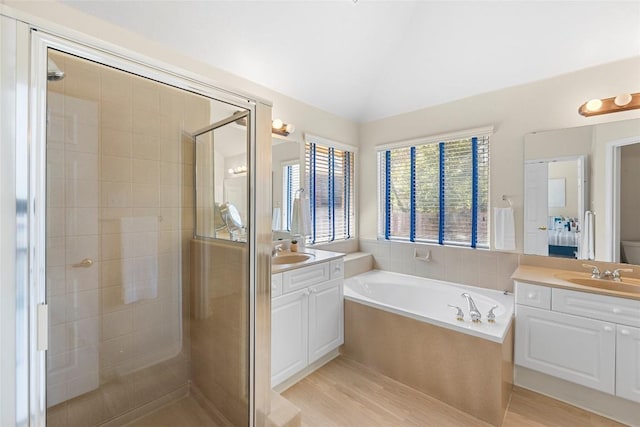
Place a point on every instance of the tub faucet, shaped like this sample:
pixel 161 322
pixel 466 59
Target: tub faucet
pixel 473 310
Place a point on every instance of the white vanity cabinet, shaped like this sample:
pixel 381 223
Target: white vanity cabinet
pixel 580 337
pixel 289 335
pixel 307 317
pixel 573 348
pixel 628 362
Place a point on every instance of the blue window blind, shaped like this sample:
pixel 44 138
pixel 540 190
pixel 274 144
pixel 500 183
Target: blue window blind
pixel 330 173
pixel 436 192
pixel 290 185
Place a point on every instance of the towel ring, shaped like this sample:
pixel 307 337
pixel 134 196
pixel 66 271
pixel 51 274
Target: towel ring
pixel 507 199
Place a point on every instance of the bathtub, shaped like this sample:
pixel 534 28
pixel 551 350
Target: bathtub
pixel 426 300
pixel 401 326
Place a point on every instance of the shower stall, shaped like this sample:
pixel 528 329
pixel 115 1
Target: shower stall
pixel 146 244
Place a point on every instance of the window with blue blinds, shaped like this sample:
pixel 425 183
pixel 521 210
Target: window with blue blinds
pixel 436 192
pixel 290 185
pixel 330 174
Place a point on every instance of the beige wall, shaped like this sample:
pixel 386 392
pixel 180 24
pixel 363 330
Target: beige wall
pixel 514 112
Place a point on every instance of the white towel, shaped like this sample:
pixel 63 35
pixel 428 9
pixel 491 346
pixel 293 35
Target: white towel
pixel 300 221
pixel 275 219
pixel 587 245
pixel 504 229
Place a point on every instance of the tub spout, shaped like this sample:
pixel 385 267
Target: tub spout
pixel 473 310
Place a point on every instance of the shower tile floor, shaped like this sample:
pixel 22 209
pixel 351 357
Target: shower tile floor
pixel 185 412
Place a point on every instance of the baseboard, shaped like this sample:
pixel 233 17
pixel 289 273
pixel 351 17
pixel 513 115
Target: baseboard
pixel 616 408
pixel 306 371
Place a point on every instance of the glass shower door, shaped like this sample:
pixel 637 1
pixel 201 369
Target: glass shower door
pixel 146 322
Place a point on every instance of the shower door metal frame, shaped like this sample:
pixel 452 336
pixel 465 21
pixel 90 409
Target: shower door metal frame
pixel 100 52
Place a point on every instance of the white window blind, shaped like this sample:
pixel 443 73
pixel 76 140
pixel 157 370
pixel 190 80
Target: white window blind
pixel 436 192
pixel 330 173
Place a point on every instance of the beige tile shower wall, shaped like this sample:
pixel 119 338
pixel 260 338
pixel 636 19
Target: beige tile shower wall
pixel 219 326
pixel 120 191
pixel 475 267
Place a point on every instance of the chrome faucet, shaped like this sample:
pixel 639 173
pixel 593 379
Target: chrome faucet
pixel 473 310
pixel 595 271
pixel 459 314
pixel 277 249
pixel 616 273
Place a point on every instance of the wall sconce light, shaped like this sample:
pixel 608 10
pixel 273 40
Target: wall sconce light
pixel 277 126
pixel 280 128
pixel 238 170
pixel 622 102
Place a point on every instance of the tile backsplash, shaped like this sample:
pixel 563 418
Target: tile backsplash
pixel 474 267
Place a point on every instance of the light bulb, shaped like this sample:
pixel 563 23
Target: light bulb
pixel 290 128
pixel 623 99
pixel 277 124
pixel 594 105
pixel 230 170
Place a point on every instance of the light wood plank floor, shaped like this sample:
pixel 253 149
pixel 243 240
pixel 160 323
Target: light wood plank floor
pixel 344 393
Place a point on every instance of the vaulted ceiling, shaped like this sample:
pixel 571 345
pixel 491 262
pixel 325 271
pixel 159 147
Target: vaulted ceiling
pixel 373 59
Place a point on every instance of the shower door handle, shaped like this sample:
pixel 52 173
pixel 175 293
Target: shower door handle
pixel 85 263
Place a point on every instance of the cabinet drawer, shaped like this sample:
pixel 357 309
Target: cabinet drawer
pixel 337 269
pixel 533 295
pixel 603 307
pixel 304 277
pixel 276 285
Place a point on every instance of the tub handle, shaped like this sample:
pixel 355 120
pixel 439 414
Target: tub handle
pixel 459 314
pixel 491 317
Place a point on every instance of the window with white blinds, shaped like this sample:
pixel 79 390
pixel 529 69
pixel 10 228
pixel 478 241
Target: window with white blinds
pixel 436 192
pixel 290 186
pixel 330 175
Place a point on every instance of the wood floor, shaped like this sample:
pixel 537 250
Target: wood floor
pixel 344 393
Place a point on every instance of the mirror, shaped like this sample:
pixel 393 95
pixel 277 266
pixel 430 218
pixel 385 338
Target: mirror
pixel 573 173
pixel 220 154
pixel 287 166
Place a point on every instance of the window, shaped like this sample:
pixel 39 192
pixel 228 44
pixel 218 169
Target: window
pixel 330 175
pixel 290 186
pixel 436 191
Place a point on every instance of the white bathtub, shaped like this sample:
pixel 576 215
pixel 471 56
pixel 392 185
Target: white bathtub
pixel 426 300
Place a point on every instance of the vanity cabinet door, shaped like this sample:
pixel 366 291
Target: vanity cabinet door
pixel 326 318
pixel 628 363
pixel 573 348
pixel 289 335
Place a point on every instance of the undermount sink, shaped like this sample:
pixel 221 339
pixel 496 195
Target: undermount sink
pixel 625 285
pixel 291 258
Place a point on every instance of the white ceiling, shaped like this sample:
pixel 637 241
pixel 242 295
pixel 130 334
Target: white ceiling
pixel 373 59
